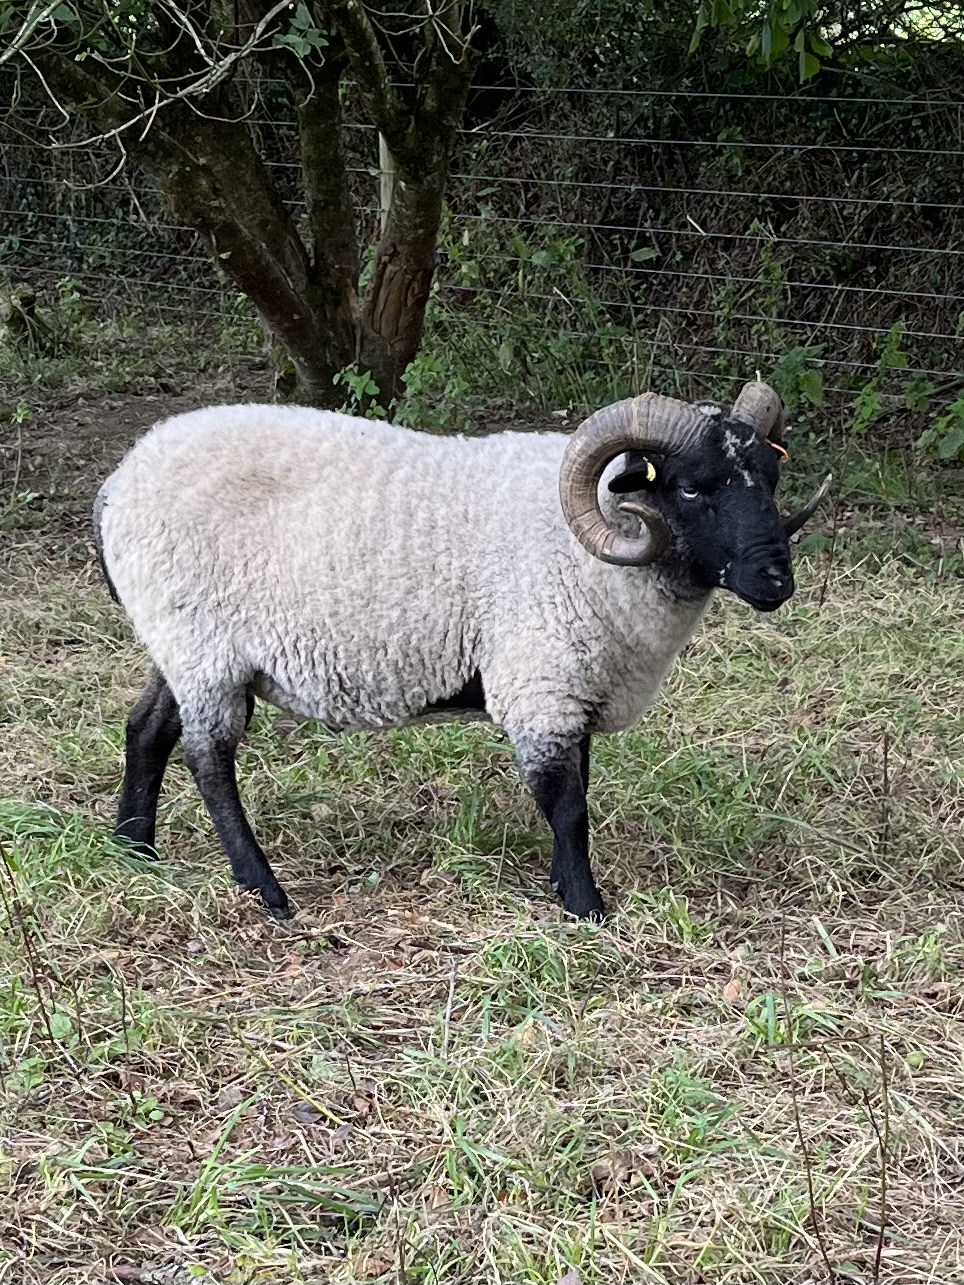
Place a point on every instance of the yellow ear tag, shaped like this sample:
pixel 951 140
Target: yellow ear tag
pixel 779 450
pixel 650 472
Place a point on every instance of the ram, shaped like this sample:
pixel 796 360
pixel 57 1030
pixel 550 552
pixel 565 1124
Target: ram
pixel 369 576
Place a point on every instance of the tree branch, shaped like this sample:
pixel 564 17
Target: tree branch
pixel 331 215
pixel 384 107
pixel 35 16
pixel 449 67
pixel 205 84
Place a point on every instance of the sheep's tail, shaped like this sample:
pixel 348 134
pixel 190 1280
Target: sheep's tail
pixel 100 503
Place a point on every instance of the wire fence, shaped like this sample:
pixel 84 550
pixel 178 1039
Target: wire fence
pixel 697 234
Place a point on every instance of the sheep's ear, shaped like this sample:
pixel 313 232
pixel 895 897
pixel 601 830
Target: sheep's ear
pixel 641 476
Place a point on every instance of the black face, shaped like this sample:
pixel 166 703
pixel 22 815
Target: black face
pixel 719 502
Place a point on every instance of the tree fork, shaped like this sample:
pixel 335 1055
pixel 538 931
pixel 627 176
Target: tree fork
pixel 202 152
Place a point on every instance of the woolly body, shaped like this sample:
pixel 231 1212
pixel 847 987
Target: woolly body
pixel 356 572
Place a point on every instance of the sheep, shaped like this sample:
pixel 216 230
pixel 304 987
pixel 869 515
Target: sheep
pixel 370 576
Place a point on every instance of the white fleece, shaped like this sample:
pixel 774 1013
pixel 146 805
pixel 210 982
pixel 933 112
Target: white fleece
pixel 354 571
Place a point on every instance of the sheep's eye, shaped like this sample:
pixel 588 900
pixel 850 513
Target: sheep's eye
pixel 689 492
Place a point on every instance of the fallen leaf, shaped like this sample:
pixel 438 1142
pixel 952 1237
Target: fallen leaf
pixel 620 1172
pixel 196 947
pixel 732 991
pixel 305 1113
pixel 375 1264
pixel 340 1137
pixel 229 1097
pixel 571 1277
pixel 936 991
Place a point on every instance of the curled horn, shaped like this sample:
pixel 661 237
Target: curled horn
pixel 795 521
pixel 759 405
pixel 650 422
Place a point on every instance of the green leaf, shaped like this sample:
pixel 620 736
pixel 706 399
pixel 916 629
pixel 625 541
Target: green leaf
pixel 766 42
pixel 543 258
pixel 702 22
pixel 60 1026
pixel 800 42
pixel 952 443
pixel 781 42
pixel 811 386
pixel 644 255
pixel 867 406
pixel 820 46
pixel 809 66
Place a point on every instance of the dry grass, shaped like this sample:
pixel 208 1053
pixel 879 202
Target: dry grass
pixel 429 1075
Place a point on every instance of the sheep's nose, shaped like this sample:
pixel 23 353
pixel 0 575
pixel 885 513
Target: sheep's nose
pixel 778 575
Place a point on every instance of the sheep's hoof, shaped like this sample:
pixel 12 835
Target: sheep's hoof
pixel 280 913
pixel 138 848
pixel 591 915
pixel 584 904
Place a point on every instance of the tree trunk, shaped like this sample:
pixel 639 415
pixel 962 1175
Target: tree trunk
pixel 393 313
pixel 204 156
pixel 421 140
pixel 214 180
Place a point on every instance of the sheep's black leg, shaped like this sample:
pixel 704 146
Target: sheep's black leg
pixel 209 750
pixel 557 773
pixel 152 732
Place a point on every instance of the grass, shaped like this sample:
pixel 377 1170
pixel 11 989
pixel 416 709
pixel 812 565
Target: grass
pixel 754 1071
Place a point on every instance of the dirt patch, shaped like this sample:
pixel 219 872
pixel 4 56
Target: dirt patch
pixel 77 437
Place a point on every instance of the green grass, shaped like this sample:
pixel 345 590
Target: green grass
pixel 430 1075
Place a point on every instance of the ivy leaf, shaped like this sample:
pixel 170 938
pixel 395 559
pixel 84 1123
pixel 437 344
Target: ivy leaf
pixel 644 255
pixel 809 66
pixel 952 442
